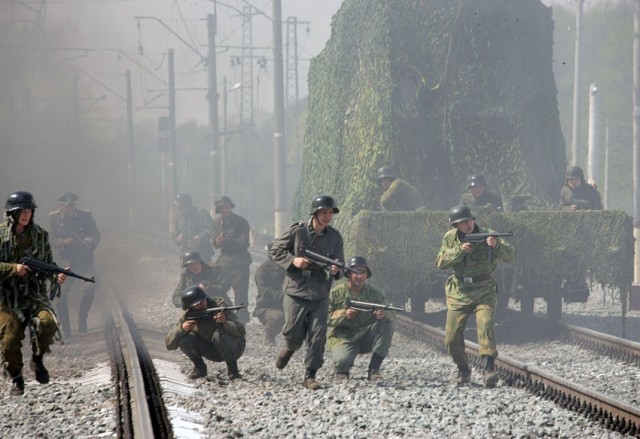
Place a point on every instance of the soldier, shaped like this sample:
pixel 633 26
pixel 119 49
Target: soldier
pixel 471 289
pixel 231 233
pixel 269 278
pixel 196 272
pixel 193 227
pixel 478 196
pixel 397 194
pixel 307 285
pixel 74 237
pixel 220 337
pixel 353 332
pixel 24 301
pixel 577 194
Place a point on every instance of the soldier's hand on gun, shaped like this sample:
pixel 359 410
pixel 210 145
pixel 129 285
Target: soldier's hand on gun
pixel 379 314
pixel 300 262
pixel 492 241
pixel 467 247
pixel 88 240
pixel 69 241
pixel 220 318
pixel 334 269
pixel 22 269
pixel 62 277
pixel 351 313
pixel 188 325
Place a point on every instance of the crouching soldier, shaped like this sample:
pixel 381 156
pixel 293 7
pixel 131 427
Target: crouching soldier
pixel 216 337
pixel 353 331
pixel 269 308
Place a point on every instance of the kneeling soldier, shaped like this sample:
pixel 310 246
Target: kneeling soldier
pixel 216 337
pixel 353 331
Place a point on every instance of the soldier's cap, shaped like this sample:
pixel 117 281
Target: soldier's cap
pixel 222 201
pixel 68 199
pixel 476 180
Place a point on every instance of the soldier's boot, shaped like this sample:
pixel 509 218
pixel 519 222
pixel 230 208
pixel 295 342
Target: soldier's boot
pixel 42 374
pixel 373 373
pixel 17 386
pixel 199 370
pixel 489 375
pixel 283 358
pixel 464 375
pixel 310 380
pixel 232 370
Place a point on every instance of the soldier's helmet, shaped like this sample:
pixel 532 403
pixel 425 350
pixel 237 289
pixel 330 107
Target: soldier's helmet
pixel 20 200
pixel 358 261
pixel 476 180
pixel 385 172
pixel 222 201
pixel 189 257
pixel 191 296
pixel 575 172
pixel 458 214
pixel 183 199
pixel 323 202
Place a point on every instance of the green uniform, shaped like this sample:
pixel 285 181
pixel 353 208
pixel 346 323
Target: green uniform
pixel 471 289
pixel 23 300
pixel 269 309
pixel 400 196
pixel 212 279
pixel 196 227
pixel 364 334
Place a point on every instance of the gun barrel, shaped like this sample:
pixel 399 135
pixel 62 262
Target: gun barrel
pixel 372 306
pixel 323 260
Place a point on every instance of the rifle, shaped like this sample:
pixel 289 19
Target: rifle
pixel 370 307
pixel 199 314
pixel 51 269
pixel 79 239
pixel 325 262
pixel 580 204
pixel 476 238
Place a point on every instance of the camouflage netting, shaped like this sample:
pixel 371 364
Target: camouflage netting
pixel 402 247
pixel 438 89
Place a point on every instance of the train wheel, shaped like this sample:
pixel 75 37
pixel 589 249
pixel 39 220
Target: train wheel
pixel 554 307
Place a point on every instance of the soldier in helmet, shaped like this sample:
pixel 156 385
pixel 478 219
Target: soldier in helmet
pixel 471 289
pixel 24 298
pixel 74 237
pixel 477 195
pixel 577 194
pixel 307 285
pixel 397 194
pixel 220 337
pixel 193 227
pixel 196 272
pixel 353 332
pixel 231 236
pixel 269 278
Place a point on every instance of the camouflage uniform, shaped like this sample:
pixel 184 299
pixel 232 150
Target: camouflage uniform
pixel 400 196
pixel 269 309
pixel 487 200
pixel 209 339
pixel 78 256
pixel 307 291
pixel 234 258
pixel 23 300
pixel 212 279
pixel 364 334
pixel 478 297
pixel 585 197
pixel 196 226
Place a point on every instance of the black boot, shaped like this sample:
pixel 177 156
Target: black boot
pixel 232 370
pixel 489 375
pixel 464 375
pixel 17 386
pixel 310 380
pixel 42 374
pixel 199 370
pixel 373 374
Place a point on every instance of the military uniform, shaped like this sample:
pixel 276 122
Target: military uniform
pixel 348 338
pixel 487 200
pixel 209 339
pixel 196 226
pixel 400 196
pixel 78 256
pixel 269 309
pixel 471 289
pixel 212 279
pixel 584 197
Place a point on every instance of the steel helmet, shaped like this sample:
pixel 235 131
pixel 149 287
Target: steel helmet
pixel 189 257
pixel 191 296
pixel 19 200
pixel 385 172
pixel 358 261
pixel 476 180
pixel 323 202
pixel 183 199
pixel 575 172
pixel 458 214
pixel 222 201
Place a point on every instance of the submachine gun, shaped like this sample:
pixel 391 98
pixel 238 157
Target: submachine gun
pixel 325 262
pixel 50 270
pixel 477 238
pixel 371 307
pixel 199 314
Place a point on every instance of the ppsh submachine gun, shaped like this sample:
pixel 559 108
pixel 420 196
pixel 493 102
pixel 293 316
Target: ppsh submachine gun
pixel 50 270
pixel 326 262
pixel 477 238
pixel 199 314
pixel 371 307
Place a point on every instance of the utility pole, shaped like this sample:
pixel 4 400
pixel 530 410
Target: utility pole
pixel 635 288
pixel 173 163
pixel 577 86
pixel 279 155
pixel 607 149
pixel 593 157
pixel 246 68
pixel 132 181
pixel 214 127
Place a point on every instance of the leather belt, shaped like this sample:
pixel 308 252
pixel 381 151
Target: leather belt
pixel 474 279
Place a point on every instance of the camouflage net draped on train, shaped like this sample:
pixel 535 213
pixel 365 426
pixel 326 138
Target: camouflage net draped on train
pixel 402 246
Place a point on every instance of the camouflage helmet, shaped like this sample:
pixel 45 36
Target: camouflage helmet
pixel 20 200
pixel 575 172
pixel 189 257
pixel 323 202
pixel 385 172
pixel 191 296
pixel 476 180
pixel 358 261
pixel 183 199
pixel 458 214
